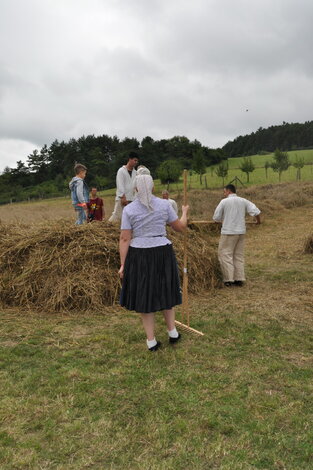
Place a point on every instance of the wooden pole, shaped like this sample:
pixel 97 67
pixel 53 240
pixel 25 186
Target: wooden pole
pixel 185 309
pixel 211 222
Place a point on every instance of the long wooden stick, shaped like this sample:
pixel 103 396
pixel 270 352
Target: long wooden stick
pixel 185 270
pixel 211 222
pixel 185 309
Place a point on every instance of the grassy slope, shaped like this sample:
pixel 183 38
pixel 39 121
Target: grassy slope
pixel 259 175
pixel 82 392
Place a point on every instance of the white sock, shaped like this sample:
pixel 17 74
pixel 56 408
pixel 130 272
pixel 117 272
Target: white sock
pixel 151 343
pixel 173 333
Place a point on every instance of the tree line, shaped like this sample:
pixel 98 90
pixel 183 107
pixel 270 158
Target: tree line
pixel 287 136
pixel 47 171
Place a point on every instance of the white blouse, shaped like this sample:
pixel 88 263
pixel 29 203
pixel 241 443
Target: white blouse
pixel 148 227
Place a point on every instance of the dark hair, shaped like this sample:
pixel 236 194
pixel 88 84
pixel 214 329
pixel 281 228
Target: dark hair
pixel 79 167
pixel 231 188
pixel 133 155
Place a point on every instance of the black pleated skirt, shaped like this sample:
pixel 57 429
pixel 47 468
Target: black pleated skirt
pixel 151 280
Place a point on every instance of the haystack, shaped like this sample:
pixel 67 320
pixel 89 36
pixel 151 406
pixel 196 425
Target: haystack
pixel 308 245
pixel 58 267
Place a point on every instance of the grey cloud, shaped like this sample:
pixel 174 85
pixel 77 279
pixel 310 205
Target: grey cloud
pixel 154 68
pixel 237 37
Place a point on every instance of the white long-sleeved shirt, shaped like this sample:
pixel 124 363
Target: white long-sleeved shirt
pixel 232 211
pixel 174 205
pixel 125 184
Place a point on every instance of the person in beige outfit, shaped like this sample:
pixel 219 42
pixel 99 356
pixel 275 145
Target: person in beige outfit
pixel 231 211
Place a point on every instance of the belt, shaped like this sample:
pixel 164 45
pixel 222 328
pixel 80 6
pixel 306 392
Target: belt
pixel 151 236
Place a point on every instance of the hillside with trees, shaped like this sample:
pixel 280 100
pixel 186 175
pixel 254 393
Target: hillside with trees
pixel 47 172
pixel 287 136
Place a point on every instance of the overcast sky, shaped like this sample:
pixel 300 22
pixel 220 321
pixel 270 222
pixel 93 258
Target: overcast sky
pixel 151 67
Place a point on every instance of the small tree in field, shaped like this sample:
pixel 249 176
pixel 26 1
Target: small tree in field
pixel 267 165
pixel 222 170
pixel 169 171
pixel 281 162
pixel 247 167
pixel 298 164
pixel 198 163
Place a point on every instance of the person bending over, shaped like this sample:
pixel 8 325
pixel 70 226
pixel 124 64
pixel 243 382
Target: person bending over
pixel 232 211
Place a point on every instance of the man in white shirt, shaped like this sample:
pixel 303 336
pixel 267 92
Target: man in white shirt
pixel 165 195
pixel 231 211
pixel 125 186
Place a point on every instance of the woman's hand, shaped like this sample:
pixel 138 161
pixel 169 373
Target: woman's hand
pixel 180 225
pixel 121 271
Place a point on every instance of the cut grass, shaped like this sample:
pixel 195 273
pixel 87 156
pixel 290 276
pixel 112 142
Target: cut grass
pixel 81 391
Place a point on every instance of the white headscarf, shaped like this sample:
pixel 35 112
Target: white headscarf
pixel 142 170
pixel 144 185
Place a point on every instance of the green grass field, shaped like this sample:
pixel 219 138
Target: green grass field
pixel 80 391
pixel 83 393
pixel 256 178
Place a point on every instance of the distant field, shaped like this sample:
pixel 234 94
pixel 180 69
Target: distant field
pixel 259 160
pixel 257 177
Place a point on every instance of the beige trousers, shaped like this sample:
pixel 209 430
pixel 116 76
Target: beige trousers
pixel 231 257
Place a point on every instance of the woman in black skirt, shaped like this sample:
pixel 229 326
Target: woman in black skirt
pixel 148 263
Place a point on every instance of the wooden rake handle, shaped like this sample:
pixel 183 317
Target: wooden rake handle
pixel 185 310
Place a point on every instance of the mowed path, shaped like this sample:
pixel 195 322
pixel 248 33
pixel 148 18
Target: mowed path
pixel 279 275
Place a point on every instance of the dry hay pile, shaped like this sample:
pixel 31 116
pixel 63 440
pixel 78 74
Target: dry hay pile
pixel 60 267
pixel 308 245
pixel 274 198
pixel 205 227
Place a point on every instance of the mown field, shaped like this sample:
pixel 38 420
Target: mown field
pixel 259 175
pixel 80 391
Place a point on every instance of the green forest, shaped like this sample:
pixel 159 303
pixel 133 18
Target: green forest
pixel 47 171
pixel 287 136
